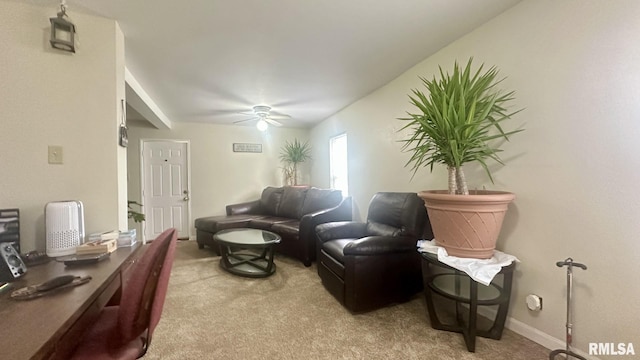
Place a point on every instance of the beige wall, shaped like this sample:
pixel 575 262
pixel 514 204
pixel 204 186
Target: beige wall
pixel 219 176
pixel 48 97
pixel 574 65
pixel 575 170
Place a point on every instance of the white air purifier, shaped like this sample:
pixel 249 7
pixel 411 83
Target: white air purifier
pixel 64 223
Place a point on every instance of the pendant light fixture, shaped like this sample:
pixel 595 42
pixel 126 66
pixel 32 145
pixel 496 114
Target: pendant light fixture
pixel 63 31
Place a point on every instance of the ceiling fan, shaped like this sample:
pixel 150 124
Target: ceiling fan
pixel 264 116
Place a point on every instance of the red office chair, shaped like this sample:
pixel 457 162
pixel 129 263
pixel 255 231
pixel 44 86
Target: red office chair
pixel 124 331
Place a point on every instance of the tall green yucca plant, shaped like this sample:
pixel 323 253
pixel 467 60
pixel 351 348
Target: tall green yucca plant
pixel 294 153
pixel 457 122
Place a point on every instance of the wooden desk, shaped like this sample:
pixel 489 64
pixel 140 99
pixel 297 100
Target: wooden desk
pixel 49 327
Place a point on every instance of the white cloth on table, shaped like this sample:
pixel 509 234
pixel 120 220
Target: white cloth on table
pixel 480 270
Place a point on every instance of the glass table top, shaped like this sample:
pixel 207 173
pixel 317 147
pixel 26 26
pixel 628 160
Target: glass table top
pixel 446 284
pixel 246 237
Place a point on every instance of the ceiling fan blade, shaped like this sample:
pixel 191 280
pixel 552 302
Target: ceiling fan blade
pixel 273 122
pixel 278 115
pixel 249 119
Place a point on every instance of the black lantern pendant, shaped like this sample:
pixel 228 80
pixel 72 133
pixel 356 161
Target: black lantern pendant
pixel 63 31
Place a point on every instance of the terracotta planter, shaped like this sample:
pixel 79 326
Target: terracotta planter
pixel 467 225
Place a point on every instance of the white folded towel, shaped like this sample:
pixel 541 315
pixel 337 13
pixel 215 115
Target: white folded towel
pixel 480 270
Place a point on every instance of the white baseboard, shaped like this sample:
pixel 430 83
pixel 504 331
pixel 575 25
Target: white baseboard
pixel 532 333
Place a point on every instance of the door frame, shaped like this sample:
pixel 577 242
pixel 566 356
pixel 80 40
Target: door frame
pixel 142 180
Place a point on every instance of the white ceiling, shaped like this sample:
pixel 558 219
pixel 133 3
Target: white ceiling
pixel 207 60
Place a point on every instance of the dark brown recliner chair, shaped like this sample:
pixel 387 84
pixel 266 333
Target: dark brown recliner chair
pixel 372 264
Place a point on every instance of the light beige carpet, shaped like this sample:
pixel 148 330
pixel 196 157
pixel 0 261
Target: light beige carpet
pixel 211 314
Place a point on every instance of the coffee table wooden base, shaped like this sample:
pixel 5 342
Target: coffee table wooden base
pixel 248 263
pixel 247 252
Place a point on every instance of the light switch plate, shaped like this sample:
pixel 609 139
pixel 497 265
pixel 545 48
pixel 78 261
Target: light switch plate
pixel 55 154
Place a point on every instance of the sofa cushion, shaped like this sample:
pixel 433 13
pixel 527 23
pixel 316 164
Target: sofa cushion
pixel 288 229
pixel 214 224
pixel 291 202
pixel 319 199
pixel 266 222
pixel 270 199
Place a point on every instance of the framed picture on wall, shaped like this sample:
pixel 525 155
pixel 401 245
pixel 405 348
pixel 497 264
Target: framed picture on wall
pixel 247 148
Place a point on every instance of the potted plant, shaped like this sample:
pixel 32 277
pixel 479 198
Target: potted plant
pixel 294 153
pixel 132 214
pixel 460 121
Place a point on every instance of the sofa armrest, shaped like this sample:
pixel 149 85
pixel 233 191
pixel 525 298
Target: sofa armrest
pixel 308 223
pixel 250 207
pixel 379 245
pixel 341 212
pixel 340 230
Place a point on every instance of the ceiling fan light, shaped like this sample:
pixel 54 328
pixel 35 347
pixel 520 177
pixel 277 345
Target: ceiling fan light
pixel 262 125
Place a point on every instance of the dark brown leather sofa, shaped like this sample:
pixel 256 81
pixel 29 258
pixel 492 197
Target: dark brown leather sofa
pixel 367 265
pixel 292 212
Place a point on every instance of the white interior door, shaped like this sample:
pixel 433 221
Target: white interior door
pixel 165 187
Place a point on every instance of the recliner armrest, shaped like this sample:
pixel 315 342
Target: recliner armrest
pixel 340 230
pixel 378 245
pixel 250 207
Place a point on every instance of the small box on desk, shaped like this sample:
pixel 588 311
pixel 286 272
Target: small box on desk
pixel 97 247
pixel 107 235
pixel 127 238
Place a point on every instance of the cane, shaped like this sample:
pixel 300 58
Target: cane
pixel 569 264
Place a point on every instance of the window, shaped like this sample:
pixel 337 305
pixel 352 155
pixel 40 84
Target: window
pixel 338 168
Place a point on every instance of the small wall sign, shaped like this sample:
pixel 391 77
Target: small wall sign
pixel 247 148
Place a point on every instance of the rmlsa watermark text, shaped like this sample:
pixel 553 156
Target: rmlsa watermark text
pixel 611 349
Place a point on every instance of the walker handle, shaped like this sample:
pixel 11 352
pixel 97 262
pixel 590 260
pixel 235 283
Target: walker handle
pixel 569 262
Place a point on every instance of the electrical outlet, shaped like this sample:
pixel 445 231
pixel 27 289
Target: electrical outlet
pixel 55 154
pixel 534 302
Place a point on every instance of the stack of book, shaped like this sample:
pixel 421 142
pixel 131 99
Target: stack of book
pixel 127 238
pixel 99 243
pixel 107 235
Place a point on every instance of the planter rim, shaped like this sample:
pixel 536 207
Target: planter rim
pixel 474 195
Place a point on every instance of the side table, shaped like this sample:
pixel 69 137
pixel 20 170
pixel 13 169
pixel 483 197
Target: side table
pixel 456 286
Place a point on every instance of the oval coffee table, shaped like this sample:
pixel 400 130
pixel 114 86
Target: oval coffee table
pixel 247 252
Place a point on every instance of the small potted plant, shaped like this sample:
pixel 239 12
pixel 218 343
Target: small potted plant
pixel 460 121
pixel 294 153
pixel 132 214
